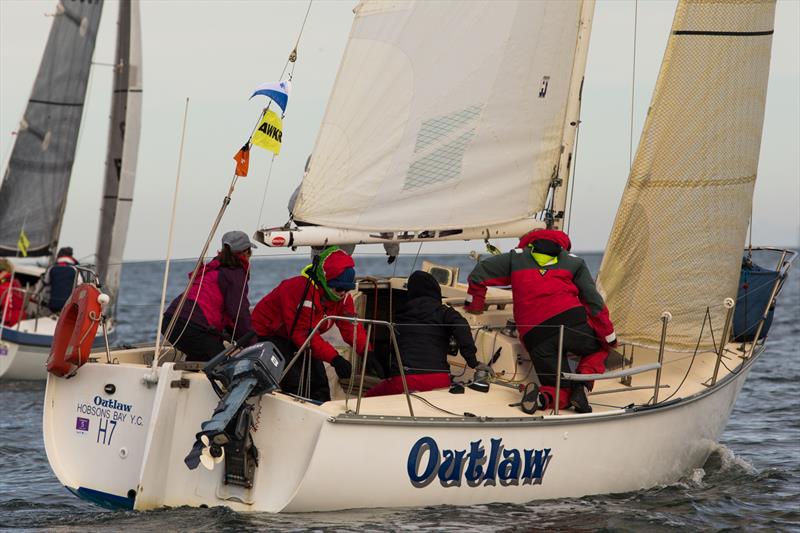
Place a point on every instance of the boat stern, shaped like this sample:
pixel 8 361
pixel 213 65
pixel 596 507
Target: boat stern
pixel 95 427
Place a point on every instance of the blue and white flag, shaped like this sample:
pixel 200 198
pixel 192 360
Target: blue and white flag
pixel 278 92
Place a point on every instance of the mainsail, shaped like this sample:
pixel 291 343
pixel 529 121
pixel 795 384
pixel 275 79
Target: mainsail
pixel 444 115
pixel 123 147
pixel 34 189
pixel 677 240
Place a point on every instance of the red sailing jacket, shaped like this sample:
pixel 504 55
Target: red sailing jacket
pixel 12 298
pixel 542 292
pixel 275 314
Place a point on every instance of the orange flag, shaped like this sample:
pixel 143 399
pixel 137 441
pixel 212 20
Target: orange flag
pixel 242 159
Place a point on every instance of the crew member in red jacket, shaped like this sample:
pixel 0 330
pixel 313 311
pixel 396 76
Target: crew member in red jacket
pixel 550 287
pixel 288 314
pixel 11 296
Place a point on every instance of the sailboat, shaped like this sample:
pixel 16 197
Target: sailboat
pixel 34 189
pixel 432 133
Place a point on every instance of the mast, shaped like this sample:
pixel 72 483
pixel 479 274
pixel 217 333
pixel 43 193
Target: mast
pixel 123 147
pixel 572 119
pixel 34 189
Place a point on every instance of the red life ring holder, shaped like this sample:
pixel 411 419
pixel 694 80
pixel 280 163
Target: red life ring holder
pixel 75 330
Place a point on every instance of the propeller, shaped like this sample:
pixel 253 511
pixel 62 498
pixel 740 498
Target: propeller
pixel 212 454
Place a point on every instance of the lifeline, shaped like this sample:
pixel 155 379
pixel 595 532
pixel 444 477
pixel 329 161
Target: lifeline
pixel 476 467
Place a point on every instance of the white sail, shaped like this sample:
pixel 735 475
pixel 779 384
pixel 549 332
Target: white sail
pixel 698 156
pixel 123 147
pixel 435 125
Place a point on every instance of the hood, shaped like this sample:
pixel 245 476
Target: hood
pixel 423 284
pixel 334 263
pixel 554 235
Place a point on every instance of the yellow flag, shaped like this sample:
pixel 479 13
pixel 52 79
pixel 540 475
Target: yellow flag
pixel 269 133
pixel 23 243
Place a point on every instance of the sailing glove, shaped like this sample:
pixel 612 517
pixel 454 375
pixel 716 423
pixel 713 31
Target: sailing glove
pixel 474 304
pixel 342 367
pixel 611 339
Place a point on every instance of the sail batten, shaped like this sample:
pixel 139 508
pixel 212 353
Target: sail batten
pixel 435 125
pixel 687 204
pixel 35 184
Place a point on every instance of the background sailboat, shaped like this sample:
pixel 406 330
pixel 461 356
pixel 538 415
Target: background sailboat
pixel 34 190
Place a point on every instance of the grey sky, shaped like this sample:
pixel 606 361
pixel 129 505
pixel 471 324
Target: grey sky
pixel 216 52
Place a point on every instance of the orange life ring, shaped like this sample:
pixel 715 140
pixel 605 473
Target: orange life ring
pixel 75 330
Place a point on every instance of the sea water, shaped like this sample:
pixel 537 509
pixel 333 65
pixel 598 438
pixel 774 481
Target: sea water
pixel 750 482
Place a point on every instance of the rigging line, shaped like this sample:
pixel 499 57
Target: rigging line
pixel 171 228
pixel 691 363
pixel 292 59
pixel 266 187
pixel 415 258
pixel 297 42
pixel 418 397
pixel 158 355
pixel 203 252
pixel 394 270
pixel 245 287
pixel 633 81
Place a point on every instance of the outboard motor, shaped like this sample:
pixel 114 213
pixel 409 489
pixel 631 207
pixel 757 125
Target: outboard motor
pixel 226 435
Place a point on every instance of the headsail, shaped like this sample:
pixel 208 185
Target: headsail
pixel 123 147
pixel 443 115
pixel 677 240
pixel 34 188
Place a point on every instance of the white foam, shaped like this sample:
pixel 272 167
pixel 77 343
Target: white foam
pixel 730 461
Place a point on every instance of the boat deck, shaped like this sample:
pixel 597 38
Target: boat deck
pixel 683 375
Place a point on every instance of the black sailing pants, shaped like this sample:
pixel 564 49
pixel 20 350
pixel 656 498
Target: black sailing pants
pixel 579 340
pixel 196 342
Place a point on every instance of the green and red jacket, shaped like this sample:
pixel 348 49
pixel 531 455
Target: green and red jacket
pixel 560 291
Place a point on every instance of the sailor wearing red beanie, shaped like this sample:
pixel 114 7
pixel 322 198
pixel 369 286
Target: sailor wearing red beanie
pixel 288 314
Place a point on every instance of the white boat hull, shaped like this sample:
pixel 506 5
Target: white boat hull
pixel 313 461
pixel 24 350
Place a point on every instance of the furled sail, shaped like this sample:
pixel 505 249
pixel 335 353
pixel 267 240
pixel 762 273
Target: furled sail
pixel 677 240
pixel 35 184
pixel 444 115
pixel 123 147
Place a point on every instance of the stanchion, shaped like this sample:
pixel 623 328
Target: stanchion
pixel 666 316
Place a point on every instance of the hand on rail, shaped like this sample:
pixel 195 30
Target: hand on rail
pixel 474 303
pixel 474 307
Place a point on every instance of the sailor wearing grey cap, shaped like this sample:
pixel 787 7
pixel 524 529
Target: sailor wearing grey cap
pixel 238 241
pixel 217 307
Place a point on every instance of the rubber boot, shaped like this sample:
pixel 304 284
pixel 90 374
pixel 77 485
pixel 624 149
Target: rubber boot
pixel 578 400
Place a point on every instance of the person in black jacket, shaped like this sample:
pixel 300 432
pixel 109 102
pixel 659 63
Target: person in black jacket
pixel 424 329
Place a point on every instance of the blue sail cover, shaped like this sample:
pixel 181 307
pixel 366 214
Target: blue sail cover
pixel 35 184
